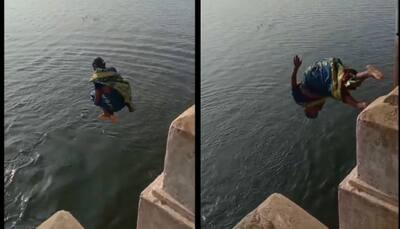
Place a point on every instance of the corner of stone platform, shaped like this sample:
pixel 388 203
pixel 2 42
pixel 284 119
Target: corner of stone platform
pixel 168 202
pixel 278 212
pixel 61 220
pixel 368 196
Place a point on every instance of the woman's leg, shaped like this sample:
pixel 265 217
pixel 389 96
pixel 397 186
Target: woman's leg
pixel 110 115
pixel 348 99
pixel 354 79
pixel 114 118
pixel 106 115
pixel 370 72
pixel 110 109
pixel 107 112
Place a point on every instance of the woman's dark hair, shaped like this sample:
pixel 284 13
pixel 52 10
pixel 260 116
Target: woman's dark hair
pixel 98 63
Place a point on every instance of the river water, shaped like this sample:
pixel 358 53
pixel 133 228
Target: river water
pixel 57 154
pixel 254 140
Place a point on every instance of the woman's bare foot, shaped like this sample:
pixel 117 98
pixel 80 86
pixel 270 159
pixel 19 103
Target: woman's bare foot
pixel 104 117
pixel 114 118
pixel 374 72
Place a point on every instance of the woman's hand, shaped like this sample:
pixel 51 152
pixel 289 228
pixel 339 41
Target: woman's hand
pixel 297 62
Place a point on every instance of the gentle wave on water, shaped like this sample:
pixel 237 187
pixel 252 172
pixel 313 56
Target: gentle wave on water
pixel 57 154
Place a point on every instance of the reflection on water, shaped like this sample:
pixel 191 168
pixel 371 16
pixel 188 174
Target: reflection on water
pixel 57 155
pixel 255 140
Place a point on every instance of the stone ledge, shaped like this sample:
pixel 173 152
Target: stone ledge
pixel 168 202
pixel 362 206
pixel 361 186
pixel 377 144
pixel 167 199
pixel 383 111
pixel 185 122
pixel 61 220
pixel 155 212
pixel 278 212
pixel 179 161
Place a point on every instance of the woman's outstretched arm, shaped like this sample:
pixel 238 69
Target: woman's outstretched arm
pixel 297 63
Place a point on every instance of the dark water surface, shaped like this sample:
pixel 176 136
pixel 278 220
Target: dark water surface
pixel 57 154
pixel 255 140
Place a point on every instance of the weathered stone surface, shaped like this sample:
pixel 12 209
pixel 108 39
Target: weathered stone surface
pixel 159 210
pixel 396 60
pixel 180 159
pixel 168 202
pixel 61 220
pixel 377 144
pixel 278 212
pixel 368 196
pixel 363 206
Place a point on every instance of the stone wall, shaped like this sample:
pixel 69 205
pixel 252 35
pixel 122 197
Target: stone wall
pixel 179 172
pixel 368 196
pixel 396 50
pixel 168 202
pixel 396 61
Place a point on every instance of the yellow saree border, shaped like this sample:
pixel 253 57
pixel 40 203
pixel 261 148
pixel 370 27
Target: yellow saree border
pixel 101 75
pixel 337 78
